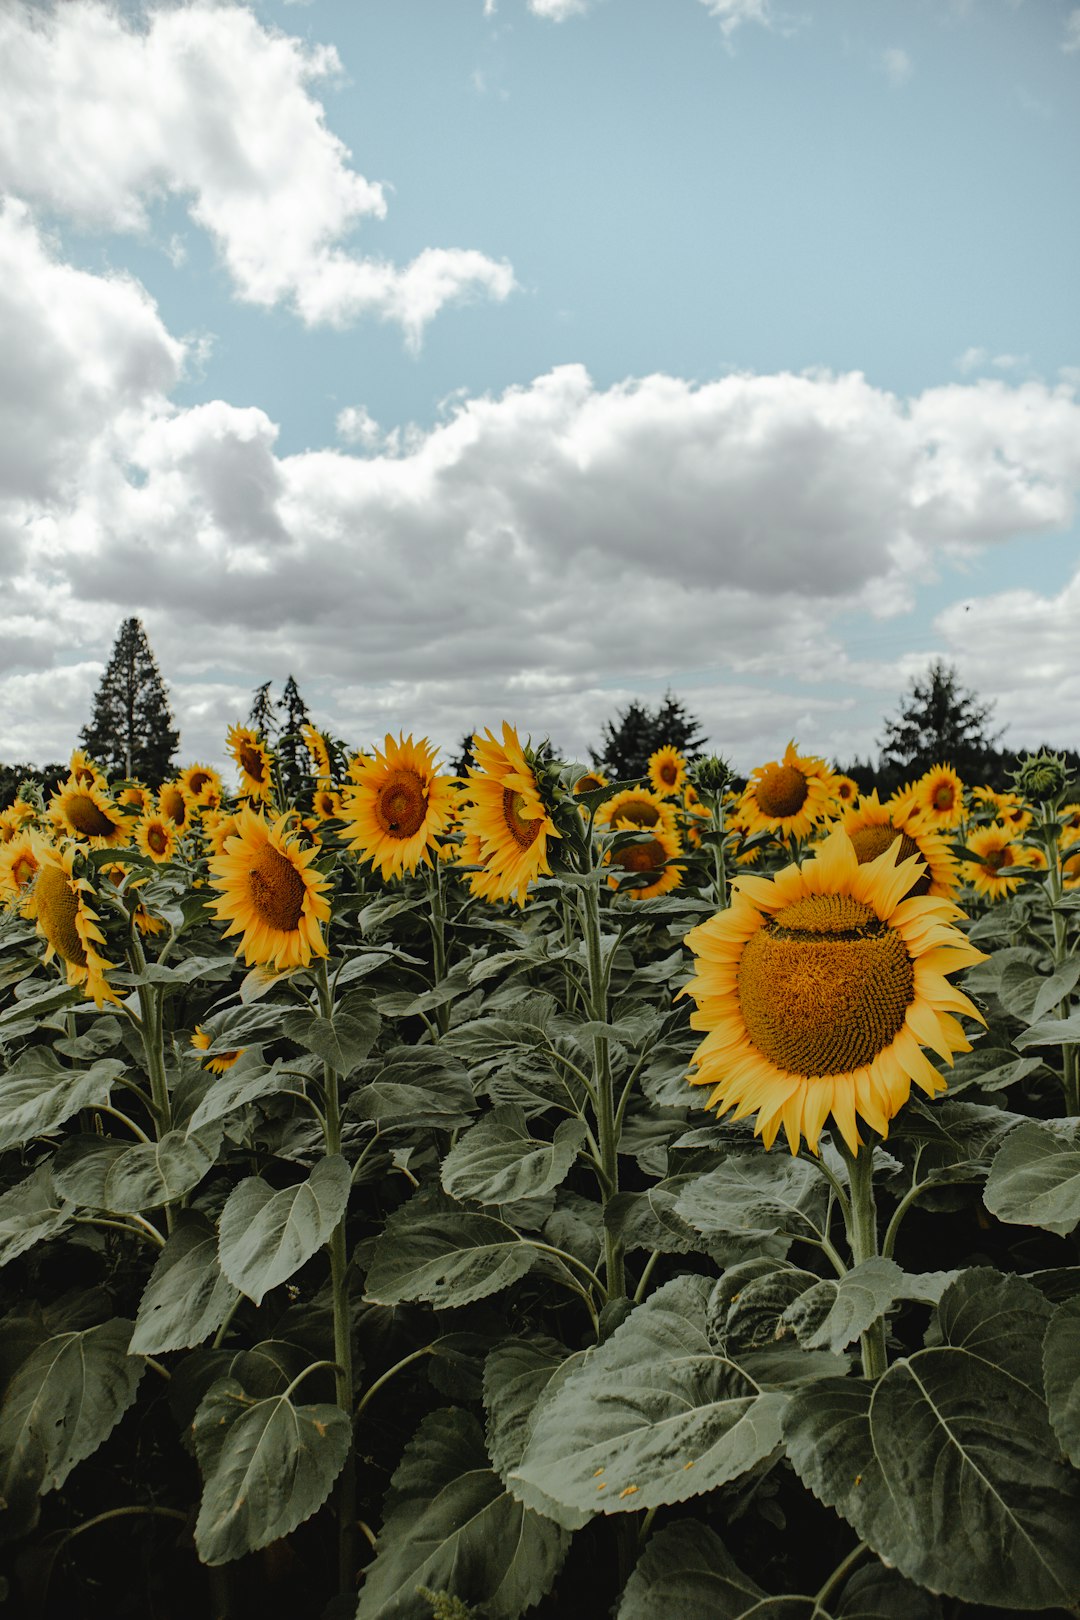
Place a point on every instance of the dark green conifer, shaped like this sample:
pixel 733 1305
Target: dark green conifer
pixel 131 733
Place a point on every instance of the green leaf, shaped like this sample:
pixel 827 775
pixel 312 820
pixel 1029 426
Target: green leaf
pixel 1035 1179
pixel 1053 990
pixel 833 1313
pixel 187 1297
pixel 649 1219
pixel 496 1161
pixel 1061 1369
pixel 128 1177
pixel 754 1194
pixel 877 1593
pixel 344 1040
pixel 651 1417
pixel 434 1250
pixel 686 1573
pixel 35 1007
pixel 416 1087
pixel 248 1080
pixel 31 1211
pixel 947 1466
pixel 449 1524
pixel 65 1399
pixel 267 1466
pixel 37 1095
pixel 265 1236
pixel 748 1307
pixel 1051 1032
pixel 516 1373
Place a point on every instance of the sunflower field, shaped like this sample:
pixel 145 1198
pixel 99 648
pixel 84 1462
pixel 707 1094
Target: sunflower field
pixel 529 1194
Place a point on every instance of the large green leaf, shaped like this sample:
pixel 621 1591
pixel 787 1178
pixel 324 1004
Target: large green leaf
pixel 344 1040
pixel 187 1297
pixel 1035 1179
pixel 38 1095
pixel 1051 1032
pixel 265 1236
pixel 948 1466
pixel 649 1219
pixel 267 1466
pixel 416 1086
pixel 434 1250
pixel 1061 1370
pixel 31 1211
pixel 449 1524
pixel 496 1161
pixel 834 1312
pixel 651 1417
pixel 248 1080
pixel 753 1194
pixel 127 1177
pixel 65 1399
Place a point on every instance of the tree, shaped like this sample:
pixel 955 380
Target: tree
pixel 466 758
pixel 262 717
pixel 941 722
pixel 131 732
pixel 292 755
pixel 639 731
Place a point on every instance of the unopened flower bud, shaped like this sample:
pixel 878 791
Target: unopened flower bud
pixel 1041 776
pixel 710 775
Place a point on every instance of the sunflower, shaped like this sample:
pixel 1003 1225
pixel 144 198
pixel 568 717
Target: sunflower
pixel 85 771
pixel 398 807
pixel 269 894
pixel 508 818
pixel 136 798
pixel 221 1061
pixel 173 804
pixel 652 854
pixel 845 790
pixel 667 770
pixel 818 989
pixel 326 804
pixel 1013 813
pixel 636 807
pixel 1001 864
pixel 319 749
pixel 1070 866
pixel 219 826
pixel 85 812
pixel 9 827
pixel 873 826
pixel 590 782
pixel 937 797
pixel 789 797
pixel 58 904
pixel 200 784
pixel 256 769
pixel 20 862
pixel 1070 823
pixel 156 837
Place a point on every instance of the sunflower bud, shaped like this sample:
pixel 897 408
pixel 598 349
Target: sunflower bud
pixel 710 775
pixel 1041 776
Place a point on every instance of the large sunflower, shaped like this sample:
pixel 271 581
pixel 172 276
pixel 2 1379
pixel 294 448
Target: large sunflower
pixel 256 768
pixel 508 817
pixel 654 854
pixel 667 770
pixel 818 989
pixel 398 807
pixel 59 905
pixel 269 894
pixel 84 811
pixel 790 796
pixel 873 826
pixel 1002 861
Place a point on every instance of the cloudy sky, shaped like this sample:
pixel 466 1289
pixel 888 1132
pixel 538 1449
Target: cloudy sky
pixel 484 359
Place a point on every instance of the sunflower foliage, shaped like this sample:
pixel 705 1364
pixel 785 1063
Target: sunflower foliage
pixel 387 1226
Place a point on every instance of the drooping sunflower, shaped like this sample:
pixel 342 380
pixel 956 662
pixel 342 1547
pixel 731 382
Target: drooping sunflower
pixel 636 807
pixel 269 894
pixel 873 826
pixel 200 784
pixel 508 817
pixel 666 770
pixel 20 862
pixel 156 837
pixel 256 767
pixel 936 798
pixel 655 853
pixel 174 805
pixel 1002 863
pixel 790 796
pixel 86 812
pixel 319 749
pixel 818 989
pixel 221 1061
pixel 398 806
pixel 59 904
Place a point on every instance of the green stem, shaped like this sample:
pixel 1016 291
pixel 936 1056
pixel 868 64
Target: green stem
pixel 437 923
pixel 384 1378
pixel 603 1090
pixel 862 1236
pixel 1055 889
pixel 838 1577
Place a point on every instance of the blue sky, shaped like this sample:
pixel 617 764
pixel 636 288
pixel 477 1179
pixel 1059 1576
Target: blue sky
pixel 750 367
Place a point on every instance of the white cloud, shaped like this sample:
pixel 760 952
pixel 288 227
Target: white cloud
pixel 1071 39
pixel 977 359
pixel 558 10
pixel 101 117
pixel 731 14
pixel 897 65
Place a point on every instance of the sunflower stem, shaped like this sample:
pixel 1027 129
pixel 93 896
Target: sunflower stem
pixel 151 1028
pixel 604 1089
pixel 1055 890
pixel 437 923
pixel 862 1236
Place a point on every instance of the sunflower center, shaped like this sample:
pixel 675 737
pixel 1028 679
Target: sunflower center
pixel 198 781
pixel 944 796
pixel 782 791
pixel 88 818
pixel 995 859
pixel 173 805
pixel 58 907
pixel 645 857
pixel 824 986
pixel 870 842
pixel 277 889
pixel 639 812
pixel 587 784
pixel 402 804
pixel 523 830
pixel 23 868
pixel 668 772
pixel 251 762
pixel 158 839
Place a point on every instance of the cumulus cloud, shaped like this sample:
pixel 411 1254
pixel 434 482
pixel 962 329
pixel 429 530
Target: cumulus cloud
pixel 897 65
pixel 102 116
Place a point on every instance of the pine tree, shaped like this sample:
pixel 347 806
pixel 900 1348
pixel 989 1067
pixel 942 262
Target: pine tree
pixel 639 731
pixel 941 722
pixel 466 758
pixel 262 717
pixel 131 733
pixel 292 755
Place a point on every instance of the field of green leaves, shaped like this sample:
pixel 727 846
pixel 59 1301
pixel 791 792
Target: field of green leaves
pixel 529 1195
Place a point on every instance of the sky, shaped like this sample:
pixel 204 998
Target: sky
pixel 484 360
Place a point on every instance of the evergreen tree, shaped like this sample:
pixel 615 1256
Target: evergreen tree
pixel 466 758
pixel 941 722
pixel 131 732
pixel 291 752
pixel 639 731
pixel 262 717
